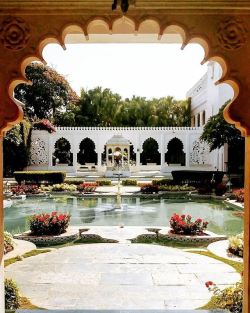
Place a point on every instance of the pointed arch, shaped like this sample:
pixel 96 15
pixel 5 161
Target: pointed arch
pixel 150 153
pixel 175 154
pixel 62 152
pixel 87 153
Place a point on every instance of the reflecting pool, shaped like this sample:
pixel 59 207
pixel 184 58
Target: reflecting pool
pixel 134 212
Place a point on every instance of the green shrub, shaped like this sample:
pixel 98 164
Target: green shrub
pixel 236 244
pixel 8 242
pixel 12 296
pixel 64 187
pixel 104 182
pixel 176 188
pixel 230 298
pixel 73 181
pixel 37 177
pixel 161 182
pixel 129 182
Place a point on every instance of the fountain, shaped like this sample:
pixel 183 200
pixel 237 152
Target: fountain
pixel 118 206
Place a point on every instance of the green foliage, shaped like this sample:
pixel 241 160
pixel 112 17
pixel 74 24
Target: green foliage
pixel 176 188
pixel 8 242
pixel 48 94
pixel 129 182
pixel 230 298
pixel 103 182
pixel 162 182
pixel 101 107
pixel 12 296
pixel 16 148
pixel 217 132
pixel 74 181
pixel 38 177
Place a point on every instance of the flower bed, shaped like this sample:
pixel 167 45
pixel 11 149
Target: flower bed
pixel 236 245
pixel 183 225
pixel 167 235
pixel 87 187
pixel 25 189
pixel 49 224
pixel 230 298
pixel 69 236
pixel 8 242
pixel 239 195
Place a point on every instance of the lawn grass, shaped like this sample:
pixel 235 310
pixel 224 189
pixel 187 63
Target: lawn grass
pixel 24 256
pixel 236 265
pixel 25 304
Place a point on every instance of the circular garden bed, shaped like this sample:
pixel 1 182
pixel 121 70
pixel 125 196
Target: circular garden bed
pixel 69 236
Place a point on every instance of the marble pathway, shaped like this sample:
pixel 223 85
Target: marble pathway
pixel 119 276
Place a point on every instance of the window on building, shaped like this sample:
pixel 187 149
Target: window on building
pixel 203 117
pixel 198 120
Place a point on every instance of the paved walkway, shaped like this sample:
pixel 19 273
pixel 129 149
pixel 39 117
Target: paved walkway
pixel 119 276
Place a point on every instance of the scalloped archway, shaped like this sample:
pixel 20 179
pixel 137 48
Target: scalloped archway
pixel 221 29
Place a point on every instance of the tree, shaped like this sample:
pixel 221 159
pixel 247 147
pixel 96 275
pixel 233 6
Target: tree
pixel 218 132
pixel 48 95
pixel 16 148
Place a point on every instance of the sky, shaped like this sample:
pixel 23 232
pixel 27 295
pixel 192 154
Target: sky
pixel 146 70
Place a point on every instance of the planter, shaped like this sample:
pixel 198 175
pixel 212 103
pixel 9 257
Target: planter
pixel 69 236
pixel 207 237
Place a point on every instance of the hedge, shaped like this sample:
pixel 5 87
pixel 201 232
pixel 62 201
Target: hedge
pixel 38 177
pixel 129 182
pixel 196 178
pixel 12 296
pixel 74 181
pixel 162 182
pixel 104 182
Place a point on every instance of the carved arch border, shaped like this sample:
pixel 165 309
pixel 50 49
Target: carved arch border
pixel 117 25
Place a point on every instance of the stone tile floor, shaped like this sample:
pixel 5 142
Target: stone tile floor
pixel 120 277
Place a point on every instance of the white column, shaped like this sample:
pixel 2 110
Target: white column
pixel 74 150
pixel 187 151
pixel 99 160
pixel 162 147
pixel 138 158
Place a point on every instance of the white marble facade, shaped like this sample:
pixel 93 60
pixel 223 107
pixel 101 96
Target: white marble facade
pixel 197 154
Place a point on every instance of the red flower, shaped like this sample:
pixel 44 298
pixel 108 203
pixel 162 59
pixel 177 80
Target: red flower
pixel 209 283
pixel 54 213
pixel 183 216
pixel 61 217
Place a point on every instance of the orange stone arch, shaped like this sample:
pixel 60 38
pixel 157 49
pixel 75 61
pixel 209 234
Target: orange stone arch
pixel 223 30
